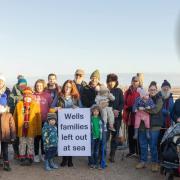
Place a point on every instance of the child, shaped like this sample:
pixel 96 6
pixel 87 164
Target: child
pixel 7 130
pixel 28 120
pixel 50 141
pixel 102 100
pixel 141 104
pixel 97 129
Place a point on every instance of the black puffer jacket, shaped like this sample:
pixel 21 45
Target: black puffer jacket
pixel 176 110
pixel 118 103
pixel 88 96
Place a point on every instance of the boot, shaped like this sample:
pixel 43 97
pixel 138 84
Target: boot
pixel 28 162
pixel 6 166
pixel 154 167
pixel 111 157
pixel 135 133
pixel 148 133
pixel 47 167
pixel 22 161
pixel 141 165
pixel 70 164
pixel 52 164
pixel 64 161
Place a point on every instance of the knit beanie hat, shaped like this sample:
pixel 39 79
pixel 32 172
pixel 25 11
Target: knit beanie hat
pixel 51 116
pixel 95 74
pixel 27 92
pixel 95 106
pixel 111 77
pixel 22 80
pixel 3 100
pixel 80 71
pixel 166 83
pixel 2 77
pixel 20 77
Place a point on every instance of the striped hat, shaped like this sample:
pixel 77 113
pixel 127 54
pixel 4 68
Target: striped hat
pixel 27 91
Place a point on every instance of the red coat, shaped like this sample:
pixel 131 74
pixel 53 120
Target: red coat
pixel 129 99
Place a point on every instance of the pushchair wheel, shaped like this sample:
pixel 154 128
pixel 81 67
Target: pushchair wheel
pixel 169 177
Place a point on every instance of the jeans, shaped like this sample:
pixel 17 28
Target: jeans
pixel 50 153
pixel 152 142
pixel 93 159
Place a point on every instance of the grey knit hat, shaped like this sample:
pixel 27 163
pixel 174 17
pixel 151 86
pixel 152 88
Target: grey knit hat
pixel 51 116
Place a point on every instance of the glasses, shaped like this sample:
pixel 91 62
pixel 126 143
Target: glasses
pixel 152 90
pixel 80 75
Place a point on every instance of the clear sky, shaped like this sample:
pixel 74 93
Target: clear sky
pixel 42 36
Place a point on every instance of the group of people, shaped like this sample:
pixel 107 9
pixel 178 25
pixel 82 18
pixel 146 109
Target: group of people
pixel 28 116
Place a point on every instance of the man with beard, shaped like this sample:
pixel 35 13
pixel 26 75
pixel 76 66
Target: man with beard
pixel 168 104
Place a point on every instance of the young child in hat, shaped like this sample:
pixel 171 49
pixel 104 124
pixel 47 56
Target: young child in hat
pixel 50 141
pixel 7 130
pixel 98 127
pixel 142 103
pixel 28 120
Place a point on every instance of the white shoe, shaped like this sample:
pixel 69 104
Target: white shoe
pixel 43 158
pixel 36 159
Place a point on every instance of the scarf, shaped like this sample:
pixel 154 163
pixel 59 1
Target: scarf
pixel 26 118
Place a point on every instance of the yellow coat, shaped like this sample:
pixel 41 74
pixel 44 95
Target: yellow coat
pixel 35 123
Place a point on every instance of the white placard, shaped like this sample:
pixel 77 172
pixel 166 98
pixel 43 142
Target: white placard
pixel 74 132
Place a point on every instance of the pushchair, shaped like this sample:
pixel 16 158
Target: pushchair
pixel 170 152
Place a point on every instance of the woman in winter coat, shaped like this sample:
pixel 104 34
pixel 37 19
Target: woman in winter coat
pixel 68 98
pixel 117 105
pixel 156 122
pixel 44 99
pixel 129 116
pixel 7 130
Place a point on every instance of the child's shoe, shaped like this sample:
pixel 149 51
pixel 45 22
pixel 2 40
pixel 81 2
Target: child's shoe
pixel 6 166
pixel 42 157
pixel 52 164
pixel 47 167
pixel 36 159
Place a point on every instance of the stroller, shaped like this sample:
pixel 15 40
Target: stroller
pixel 170 152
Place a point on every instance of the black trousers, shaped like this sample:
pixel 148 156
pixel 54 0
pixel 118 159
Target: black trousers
pixel 37 140
pixel 66 159
pixel 114 136
pixel 133 144
pixel 4 149
pixel 16 146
